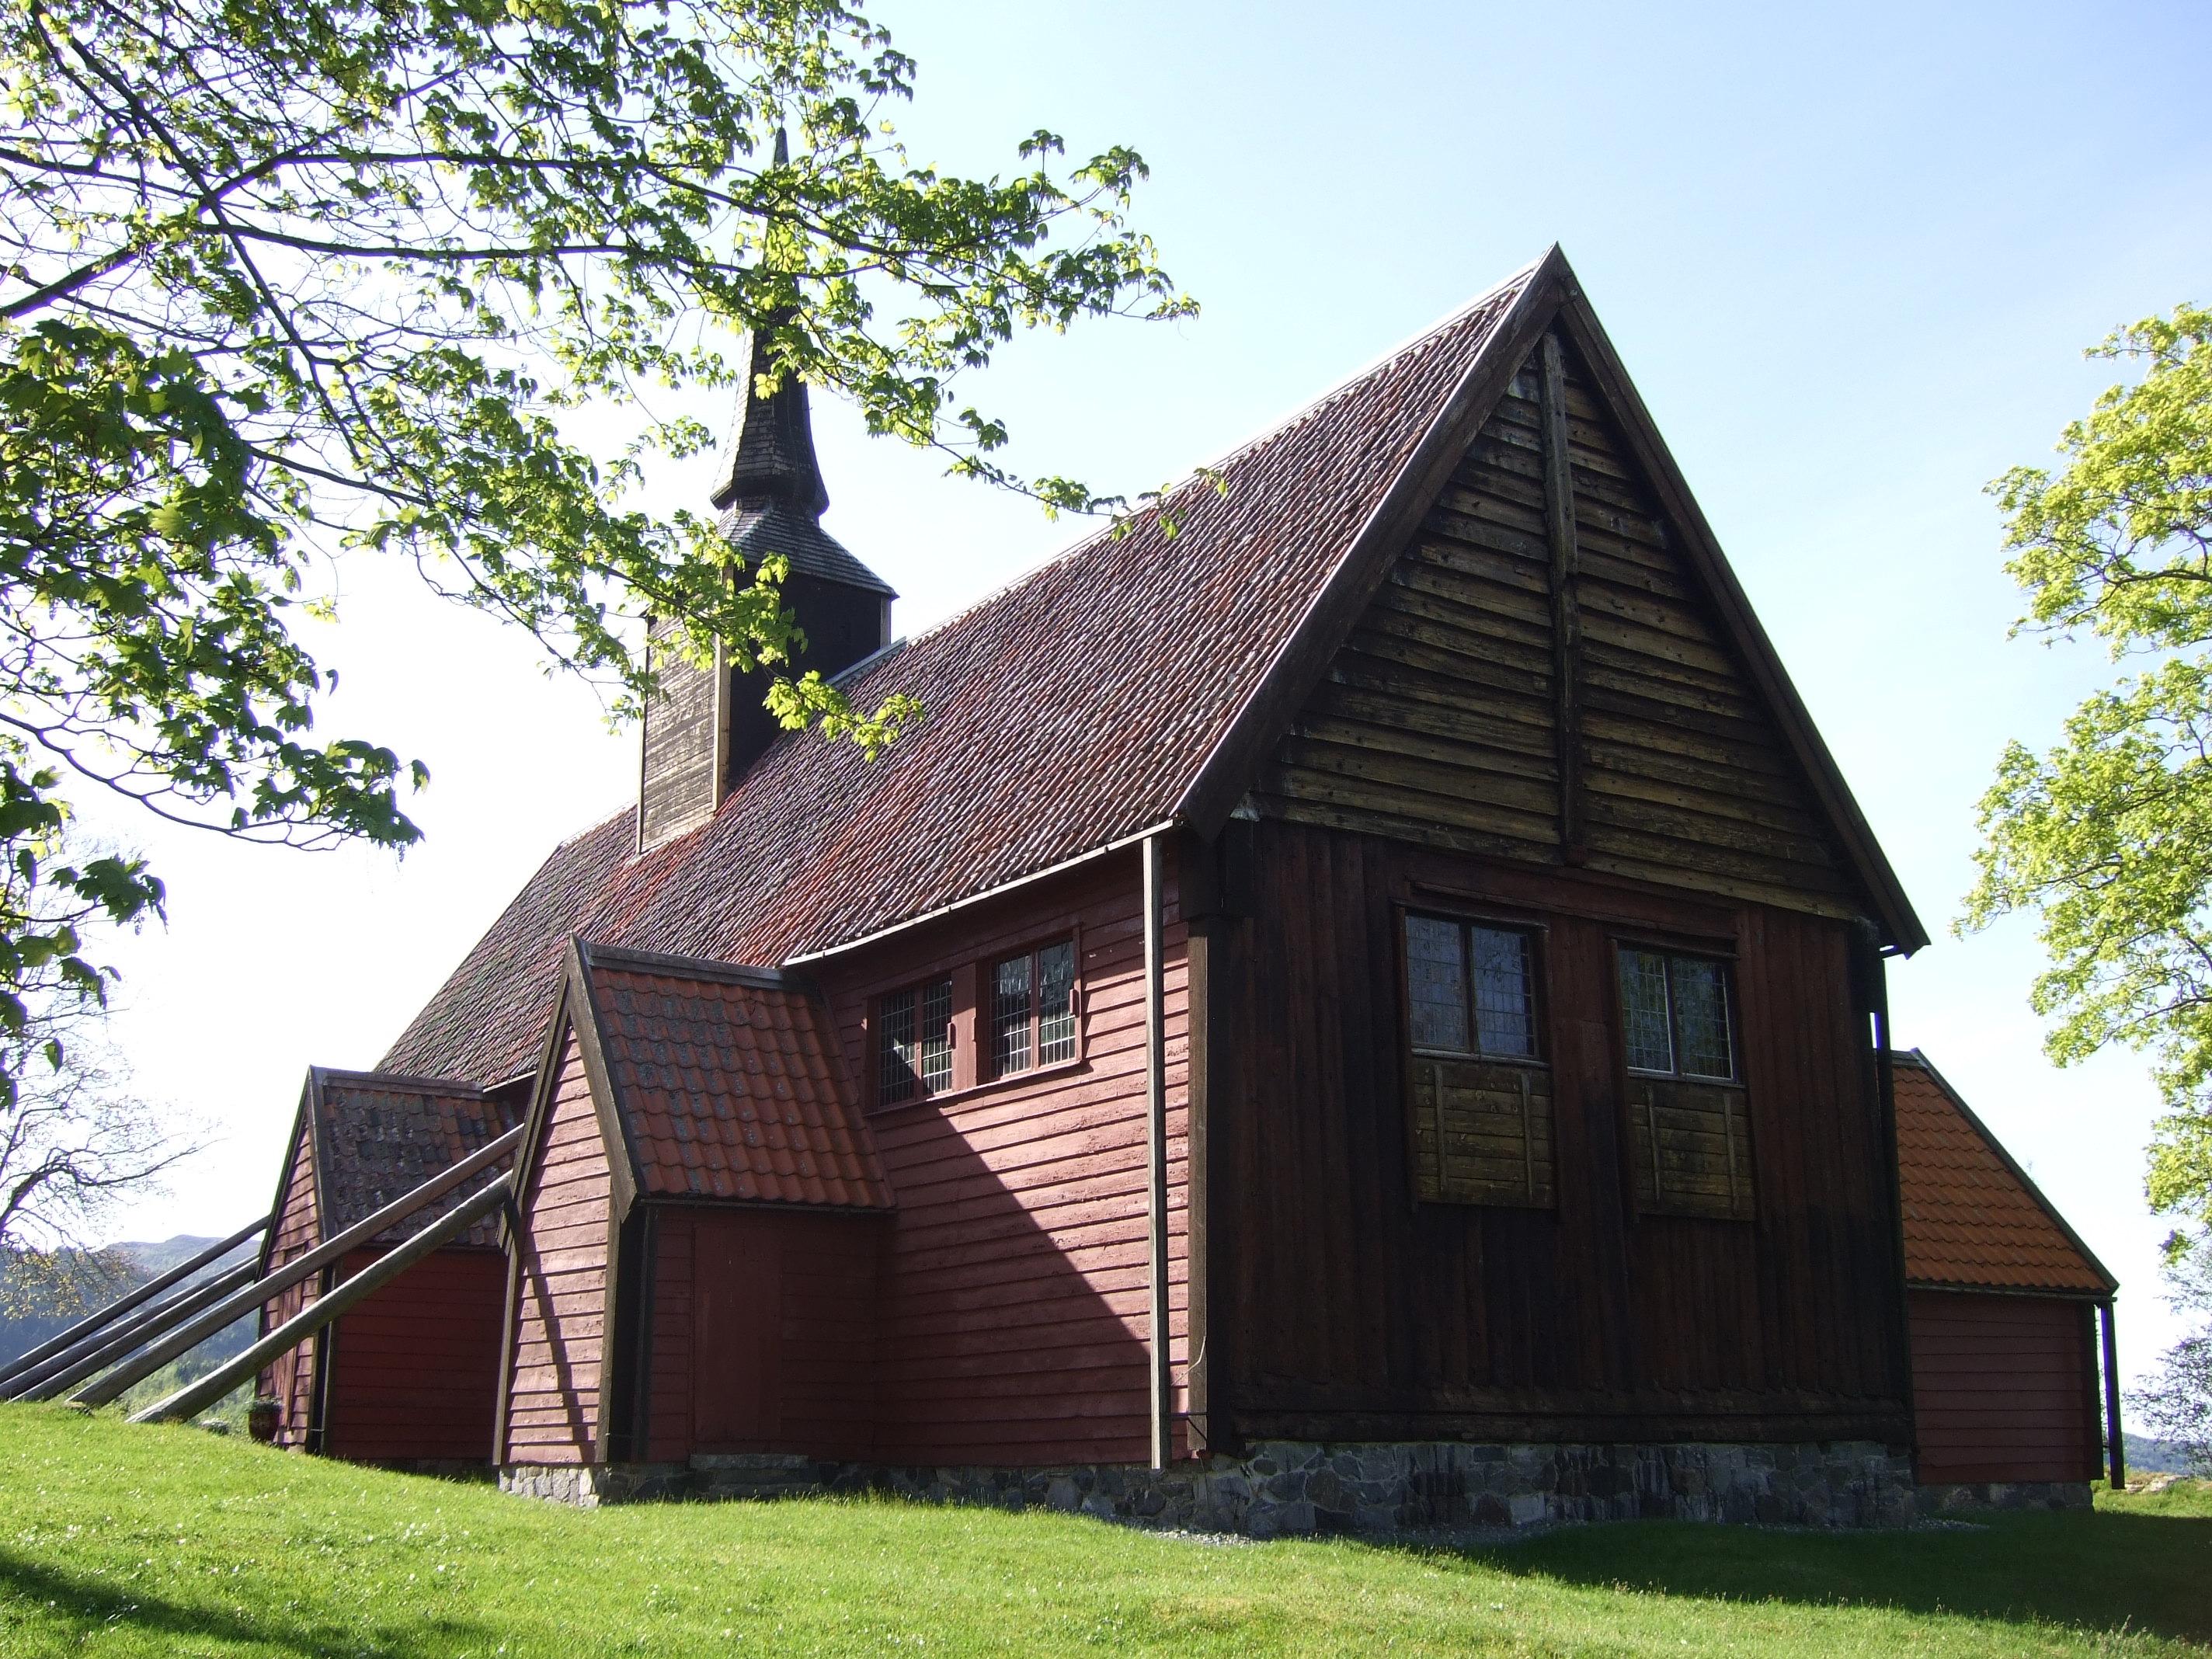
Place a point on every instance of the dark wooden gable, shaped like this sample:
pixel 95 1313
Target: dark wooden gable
pixel 1544 677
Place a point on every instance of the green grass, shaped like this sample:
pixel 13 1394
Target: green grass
pixel 120 1540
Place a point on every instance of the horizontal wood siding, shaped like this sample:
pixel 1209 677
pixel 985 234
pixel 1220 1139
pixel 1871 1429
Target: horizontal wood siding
pixel 2003 1388
pixel 414 1371
pixel 1014 1291
pixel 553 1376
pixel 1349 1310
pixel 1439 721
pixel 290 1378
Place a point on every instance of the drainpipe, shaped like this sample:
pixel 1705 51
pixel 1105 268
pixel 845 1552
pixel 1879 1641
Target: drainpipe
pixel 2116 1447
pixel 1159 1381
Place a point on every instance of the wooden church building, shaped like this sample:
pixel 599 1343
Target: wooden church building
pixel 1368 1011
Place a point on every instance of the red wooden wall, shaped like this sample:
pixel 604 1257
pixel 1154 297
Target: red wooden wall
pixel 413 1372
pixel 1342 1308
pixel 290 1379
pixel 763 1332
pixel 2004 1387
pixel 561 1278
pixel 1014 1293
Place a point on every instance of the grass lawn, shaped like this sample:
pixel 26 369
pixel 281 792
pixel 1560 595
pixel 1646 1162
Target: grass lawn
pixel 117 1540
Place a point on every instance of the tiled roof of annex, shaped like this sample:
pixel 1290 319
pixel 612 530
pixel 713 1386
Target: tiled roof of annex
pixel 727 1083
pixel 1973 1219
pixel 1065 712
pixel 377 1137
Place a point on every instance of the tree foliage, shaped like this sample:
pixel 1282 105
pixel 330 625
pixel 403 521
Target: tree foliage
pixel 287 278
pixel 2174 1403
pixel 2107 836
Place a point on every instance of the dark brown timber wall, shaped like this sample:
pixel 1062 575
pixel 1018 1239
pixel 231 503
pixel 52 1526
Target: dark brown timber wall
pixel 1498 631
pixel 1343 1309
pixel 2004 1387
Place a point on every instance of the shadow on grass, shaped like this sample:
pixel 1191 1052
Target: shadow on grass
pixel 91 1604
pixel 2098 1571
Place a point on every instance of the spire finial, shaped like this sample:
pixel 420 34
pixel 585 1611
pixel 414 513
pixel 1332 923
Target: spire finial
pixel 773 463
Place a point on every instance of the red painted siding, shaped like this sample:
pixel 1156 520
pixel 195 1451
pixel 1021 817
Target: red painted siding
pixel 2004 1387
pixel 764 1324
pixel 290 1379
pixel 553 1379
pixel 414 1371
pixel 1014 1291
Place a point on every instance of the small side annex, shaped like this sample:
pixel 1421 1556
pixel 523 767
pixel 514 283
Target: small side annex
pixel 408 1376
pixel 2005 1302
pixel 694 1273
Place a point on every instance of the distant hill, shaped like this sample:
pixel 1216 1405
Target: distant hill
pixel 2149 1456
pixel 124 1268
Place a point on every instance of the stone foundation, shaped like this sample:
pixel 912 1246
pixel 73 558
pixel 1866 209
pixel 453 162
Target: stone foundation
pixel 1950 1497
pixel 1296 1487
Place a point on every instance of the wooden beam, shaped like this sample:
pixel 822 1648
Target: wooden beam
pixel 1159 1366
pixel 99 1351
pixel 197 1397
pixel 103 1389
pixel 1566 614
pixel 52 1346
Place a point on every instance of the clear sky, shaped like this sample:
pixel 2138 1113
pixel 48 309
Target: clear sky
pixel 1850 256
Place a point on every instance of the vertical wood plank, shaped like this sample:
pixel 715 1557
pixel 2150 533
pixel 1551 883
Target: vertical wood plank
pixel 1566 617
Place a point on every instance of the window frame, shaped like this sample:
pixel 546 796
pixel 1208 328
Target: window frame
pixel 1671 951
pixel 877 1031
pixel 1535 936
pixel 987 1068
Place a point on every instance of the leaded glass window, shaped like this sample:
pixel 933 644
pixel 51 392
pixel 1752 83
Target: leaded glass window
pixel 914 1042
pixel 1033 1009
pixel 1010 1049
pixel 1675 1014
pixel 1056 1003
pixel 1470 990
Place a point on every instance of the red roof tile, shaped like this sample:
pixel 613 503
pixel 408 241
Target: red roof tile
pixel 1972 1217
pixel 1097 686
pixel 726 1083
pixel 379 1136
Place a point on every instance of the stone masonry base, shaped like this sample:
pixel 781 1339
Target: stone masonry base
pixel 1298 1487
pixel 1950 1497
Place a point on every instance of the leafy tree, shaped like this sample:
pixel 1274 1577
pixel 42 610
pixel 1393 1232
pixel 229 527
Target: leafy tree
pixel 2174 1403
pixel 2107 836
pixel 287 277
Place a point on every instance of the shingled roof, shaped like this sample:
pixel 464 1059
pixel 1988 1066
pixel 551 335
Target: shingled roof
pixel 377 1137
pixel 723 1082
pixel 1131 683
pixel 1973 1219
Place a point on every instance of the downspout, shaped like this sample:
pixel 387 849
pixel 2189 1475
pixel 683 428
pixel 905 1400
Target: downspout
pixel 2115 1441
pixel 1159 1381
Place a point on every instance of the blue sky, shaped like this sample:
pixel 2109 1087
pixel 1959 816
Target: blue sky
pixel 1851 256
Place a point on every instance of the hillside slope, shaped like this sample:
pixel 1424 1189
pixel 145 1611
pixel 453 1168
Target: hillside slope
pixel 124 1541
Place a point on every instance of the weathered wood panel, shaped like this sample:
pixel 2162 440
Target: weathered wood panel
pixel 682 741
pixel 2003 1388
pixel 1690 1147
pixel 1348 1309
pixel 1441 720
pixel 553 1370
pixel 1014 1304
pixel 290 1379
pixel 414 1371
pixel 1482 1131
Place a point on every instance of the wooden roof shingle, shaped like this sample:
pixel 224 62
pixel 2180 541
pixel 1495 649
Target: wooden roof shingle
pixel 1132 682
